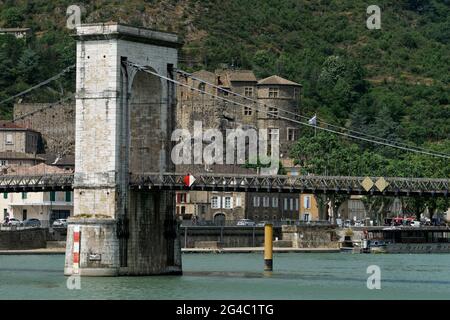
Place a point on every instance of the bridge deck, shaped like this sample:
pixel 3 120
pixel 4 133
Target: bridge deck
pixel 246 183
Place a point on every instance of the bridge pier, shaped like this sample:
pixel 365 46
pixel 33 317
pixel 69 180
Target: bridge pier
pixel 124 119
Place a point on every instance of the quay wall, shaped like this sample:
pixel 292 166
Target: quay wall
pixel 23 239
pixel 311 236
pixel 225 236
pixel 418 248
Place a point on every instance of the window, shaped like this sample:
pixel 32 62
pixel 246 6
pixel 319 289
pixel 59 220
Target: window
pixel 5 195
pixel 274 134
pixel 295 93
pixel 52 195
pixel 215 202
pixel 307 202
pixel 266 201
pixel 291 134
pixel 183 210
pixel 306 217
pixel 5 213
pixel 273 92
pixel 24 195
pixel 247 111
pixel 9 139
pixel 238 201
pixel 285 203
pixel 296 204
pixel 256 201
pixel 291 203
pixel 274 202
pixel 228 203
pixel 248 91
pixel 68 196
pixel 273 112
pixel 274 217
pixel 3 162
pixel 201 86
pixel 182 198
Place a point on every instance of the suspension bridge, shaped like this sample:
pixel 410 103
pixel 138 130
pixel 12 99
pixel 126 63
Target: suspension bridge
pixel 124 181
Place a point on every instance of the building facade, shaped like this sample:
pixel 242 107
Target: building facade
pixel 309 210
pixel 220 208
pixel 265 206
pixel 45 206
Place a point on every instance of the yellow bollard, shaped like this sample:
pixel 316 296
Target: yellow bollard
pixel 268 247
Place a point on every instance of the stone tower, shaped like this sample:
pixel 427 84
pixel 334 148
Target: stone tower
pixel 124 119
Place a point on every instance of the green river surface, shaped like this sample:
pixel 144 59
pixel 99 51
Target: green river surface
pixel 297 276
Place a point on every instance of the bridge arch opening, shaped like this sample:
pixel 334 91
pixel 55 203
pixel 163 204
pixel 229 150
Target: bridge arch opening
pixel 145 125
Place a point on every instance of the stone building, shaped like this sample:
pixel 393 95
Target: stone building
pixel 17 138
pixel 19 146
pixel 57 138
pixel 206 206
pixel 268 96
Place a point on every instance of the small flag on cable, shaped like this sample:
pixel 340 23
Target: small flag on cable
pixel 189 180
pixel 313 120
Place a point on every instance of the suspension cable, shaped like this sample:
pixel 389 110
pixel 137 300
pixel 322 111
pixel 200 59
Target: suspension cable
pixel 187 74
pixel 145 69
pixel 43 83
pixel 43 108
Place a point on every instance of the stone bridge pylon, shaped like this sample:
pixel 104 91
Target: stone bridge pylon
pixel 124 119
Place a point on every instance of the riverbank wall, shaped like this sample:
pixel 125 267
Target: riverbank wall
pixel 25 239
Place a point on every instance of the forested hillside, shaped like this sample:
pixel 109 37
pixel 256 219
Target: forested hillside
pixel 393 83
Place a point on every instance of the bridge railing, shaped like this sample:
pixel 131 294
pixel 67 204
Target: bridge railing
pixel 339 184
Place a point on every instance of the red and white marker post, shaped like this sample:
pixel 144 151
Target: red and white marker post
pixel 76 249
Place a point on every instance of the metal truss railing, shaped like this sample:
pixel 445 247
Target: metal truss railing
pixel 246 183
pixel 304 184
pixel 29 183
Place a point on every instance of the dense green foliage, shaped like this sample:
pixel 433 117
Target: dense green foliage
pixel 393 83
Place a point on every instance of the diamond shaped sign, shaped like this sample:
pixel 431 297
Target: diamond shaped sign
pixel 381 184
pixel 367 184
pixel 189 180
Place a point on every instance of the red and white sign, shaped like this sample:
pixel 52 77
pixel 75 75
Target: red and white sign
pixel 76 249
pixel 189 180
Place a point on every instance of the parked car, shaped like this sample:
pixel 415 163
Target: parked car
pixel 13 222
pixel 245 222
pixel 31 223
pixel 415 223
pixel 60 223
pixel 359 224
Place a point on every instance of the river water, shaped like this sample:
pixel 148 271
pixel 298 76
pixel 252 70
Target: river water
pixel 296 276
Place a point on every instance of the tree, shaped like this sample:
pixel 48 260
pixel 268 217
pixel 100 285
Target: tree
pixel 12 17
pixel 28 66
